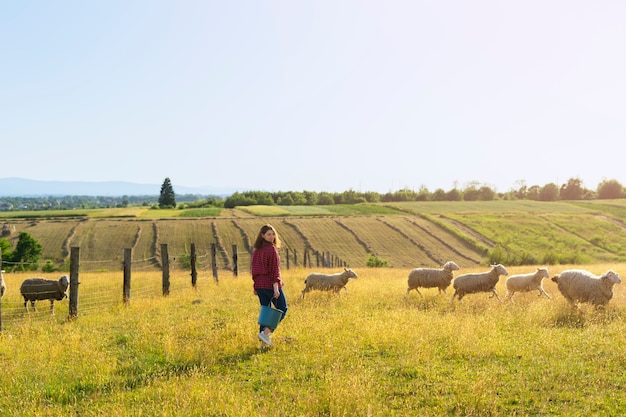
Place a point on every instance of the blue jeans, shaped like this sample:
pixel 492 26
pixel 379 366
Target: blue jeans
pixel 266 296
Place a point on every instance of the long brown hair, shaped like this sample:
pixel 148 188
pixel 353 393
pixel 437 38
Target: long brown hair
pixel 260 241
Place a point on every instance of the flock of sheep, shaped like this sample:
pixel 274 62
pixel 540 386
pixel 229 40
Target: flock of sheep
pixel 576 285
pixel 33 289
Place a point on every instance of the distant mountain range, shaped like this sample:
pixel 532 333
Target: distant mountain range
pixel 21 187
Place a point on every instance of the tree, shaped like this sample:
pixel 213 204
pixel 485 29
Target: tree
pixel 454 195
pixel 5 246
pixel 610 189
pixel 27 253
pixel 167 198
pixel 549 192
pixel 573 190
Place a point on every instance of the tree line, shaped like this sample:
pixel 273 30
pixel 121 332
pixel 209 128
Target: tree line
pixel 573 189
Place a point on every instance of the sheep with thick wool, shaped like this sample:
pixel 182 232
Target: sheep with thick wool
pixel 478 282
pixel 580 286
pixel 327 282
pixel 527 282
pixel 33 289
pixel 432 277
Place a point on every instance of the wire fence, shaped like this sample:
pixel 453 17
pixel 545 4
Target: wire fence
pixel 92 289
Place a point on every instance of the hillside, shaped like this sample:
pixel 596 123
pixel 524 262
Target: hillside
pixel 405 234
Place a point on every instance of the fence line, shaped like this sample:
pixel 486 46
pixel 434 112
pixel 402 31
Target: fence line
pixel 95 299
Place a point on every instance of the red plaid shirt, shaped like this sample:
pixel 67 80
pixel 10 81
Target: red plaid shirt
pixel 266 267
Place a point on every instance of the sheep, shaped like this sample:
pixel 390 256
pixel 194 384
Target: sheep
pixel 3 286
pixel 432 277
pixel 582 286
pixel 527 282
pixel 478 282
pixel 43 289
pixel 327 282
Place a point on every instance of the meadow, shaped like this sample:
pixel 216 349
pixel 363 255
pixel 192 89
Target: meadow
pixel 370 351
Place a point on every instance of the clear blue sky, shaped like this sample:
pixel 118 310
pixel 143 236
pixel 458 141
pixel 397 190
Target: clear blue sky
pixel 318 95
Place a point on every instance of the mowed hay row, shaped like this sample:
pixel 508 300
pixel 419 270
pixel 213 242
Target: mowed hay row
pixel 231 234
pixel 444 245
pixel 104 240
pixel 179 234
pixel 450 238
pixel 386 242
pixel 327 236
pixel 54 232
pixel 289 237
pixel 145 243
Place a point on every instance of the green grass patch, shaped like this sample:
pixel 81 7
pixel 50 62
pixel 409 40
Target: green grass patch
pixel 43 214
pixel 330 210
pixel 496 206
pixel 201 212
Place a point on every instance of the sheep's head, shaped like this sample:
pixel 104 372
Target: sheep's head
pixel 500 269
pixel 450 266
pixel 64 282
pixel 611 277
pixel 350 273
pixel 542 273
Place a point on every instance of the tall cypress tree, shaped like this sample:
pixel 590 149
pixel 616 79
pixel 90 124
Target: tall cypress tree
pixel 167 199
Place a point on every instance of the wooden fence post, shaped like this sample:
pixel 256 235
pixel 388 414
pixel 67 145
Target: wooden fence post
pixel 192 260
pixel 235 261
pixel 127 262
pixel 287 257
pixel 214 261
pixel 74 268
pixel 165 264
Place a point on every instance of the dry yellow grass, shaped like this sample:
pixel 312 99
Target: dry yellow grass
pixel 368 351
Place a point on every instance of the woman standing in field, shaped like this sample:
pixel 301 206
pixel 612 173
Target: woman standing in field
pixel 268 283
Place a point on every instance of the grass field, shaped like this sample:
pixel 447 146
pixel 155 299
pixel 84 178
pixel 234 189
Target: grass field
pixel 369 352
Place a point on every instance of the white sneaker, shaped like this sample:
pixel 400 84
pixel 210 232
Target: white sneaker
pixel 265 338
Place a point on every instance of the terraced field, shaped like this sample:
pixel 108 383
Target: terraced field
pixel 407 235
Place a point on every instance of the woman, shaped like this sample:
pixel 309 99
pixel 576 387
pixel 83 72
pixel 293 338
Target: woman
pixel 268 283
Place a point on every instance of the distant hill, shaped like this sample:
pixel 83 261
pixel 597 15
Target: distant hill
pixel 21 187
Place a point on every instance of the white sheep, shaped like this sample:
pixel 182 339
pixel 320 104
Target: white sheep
pixel 327 282
pixel 478 282
pixel 432 277
pixel 527 282
pixel 582 286
pixel 3 286
pixel 43 289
